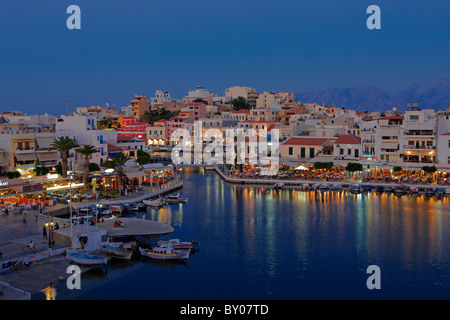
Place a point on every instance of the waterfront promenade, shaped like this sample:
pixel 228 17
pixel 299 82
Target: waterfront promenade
pixel 297 183
pixel 15 236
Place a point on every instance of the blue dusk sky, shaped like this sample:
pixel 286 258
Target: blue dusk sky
pixel 138 46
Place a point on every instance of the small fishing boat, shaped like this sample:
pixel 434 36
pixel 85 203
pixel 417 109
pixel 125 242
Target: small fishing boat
pixel 116 208
pixel 367 187
pixel 177 244
pixel 430 192
pixel 116 251
pixel 388 189
pixel 164 252
pixel 336 187
pixel 414 191
pixel 86 259
pixel 87 211
pixel 379 189
pixel 356 188
pixel 154 203
pixel 441 192
pixel 174 198
pixel 278 186
pixel 324 188
pixel 400 191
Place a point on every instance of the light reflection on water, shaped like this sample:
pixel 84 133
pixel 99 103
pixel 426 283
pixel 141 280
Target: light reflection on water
pixel 260 243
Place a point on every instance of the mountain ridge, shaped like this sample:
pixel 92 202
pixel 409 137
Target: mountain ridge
pixel 434 94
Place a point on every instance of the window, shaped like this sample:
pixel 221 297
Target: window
pixel 302 152
pixel 413 117
pixel 291 151
pixel 341 151
pixel 349 152
pixel 311 152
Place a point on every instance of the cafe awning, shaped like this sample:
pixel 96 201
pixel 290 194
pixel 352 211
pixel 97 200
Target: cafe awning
pixel 26 157
pixel 48 156
pixel 45 143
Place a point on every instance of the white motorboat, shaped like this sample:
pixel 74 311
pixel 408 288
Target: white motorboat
pixel 174 198
pixel 154 203
pixel 177 244
pixel 164 252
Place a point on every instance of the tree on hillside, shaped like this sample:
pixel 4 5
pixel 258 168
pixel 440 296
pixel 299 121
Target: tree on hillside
pixel 240 103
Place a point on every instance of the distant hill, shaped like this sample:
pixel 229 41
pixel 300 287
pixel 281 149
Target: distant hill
pixel 433 94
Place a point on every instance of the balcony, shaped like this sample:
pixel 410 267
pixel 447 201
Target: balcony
pixel 415 147
pixel 25 150
pixel 368 141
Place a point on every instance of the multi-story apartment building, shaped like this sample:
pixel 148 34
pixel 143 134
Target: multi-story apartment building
pixel 84 130
pixel 23 151
pixel 156 134
pixel 419 136
pixel 139 105
pixel 195 110
pixel 160 98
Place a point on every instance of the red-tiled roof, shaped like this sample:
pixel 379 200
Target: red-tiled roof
pixel 348 139
pixel 242 111
pixel 306 141
pixel 113 148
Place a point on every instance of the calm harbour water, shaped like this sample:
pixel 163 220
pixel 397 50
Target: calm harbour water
pixel 257 243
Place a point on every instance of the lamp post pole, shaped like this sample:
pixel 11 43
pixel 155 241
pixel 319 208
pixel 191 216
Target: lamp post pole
pixel 70 203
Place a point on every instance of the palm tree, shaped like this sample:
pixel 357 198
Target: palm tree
pixel 119 161
pixel 63 145
pixel 86 150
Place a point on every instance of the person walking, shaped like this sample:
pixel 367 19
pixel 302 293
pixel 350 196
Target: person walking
pixel 44 231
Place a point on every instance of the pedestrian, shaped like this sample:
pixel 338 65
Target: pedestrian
pixel 41 208
pixel 44 231
pixel 24 220
pixel 36 216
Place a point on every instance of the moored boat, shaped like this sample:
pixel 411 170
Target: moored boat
pixel 356 188
pixel 430 192
pixel 324 187
pixel 116 208
pixel 336 187
pixel 379 189
pixel 86 259
pixel 388 189
pixel 177 198
pixel 177 244
pixel 117 251
pixel 278 186
pixel 164 252
pixel 414 190
pixel 400 191
pixel 154 203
